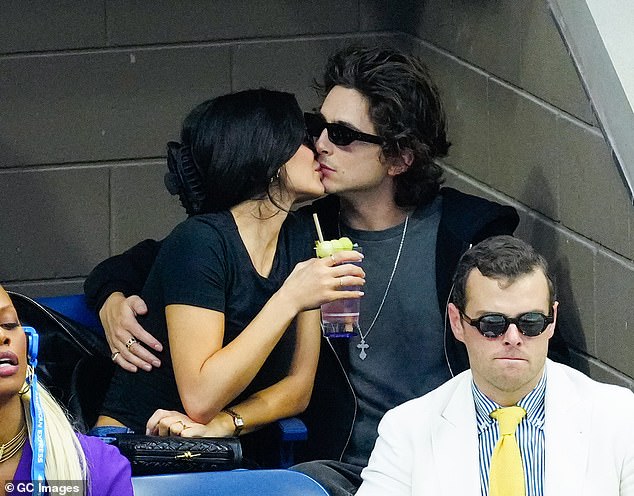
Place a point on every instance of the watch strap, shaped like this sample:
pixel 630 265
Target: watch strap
pixel 238 421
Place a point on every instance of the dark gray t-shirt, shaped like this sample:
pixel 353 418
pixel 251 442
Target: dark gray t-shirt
pixel 405 357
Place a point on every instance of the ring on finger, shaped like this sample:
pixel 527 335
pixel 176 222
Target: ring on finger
pixel 340 282
pixel 114 355
pixel 130 342
pixel 332 257
pixel 182 424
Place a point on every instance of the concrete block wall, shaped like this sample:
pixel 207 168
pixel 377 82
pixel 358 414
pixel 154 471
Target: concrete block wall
pixel 91 90
pixel 524 133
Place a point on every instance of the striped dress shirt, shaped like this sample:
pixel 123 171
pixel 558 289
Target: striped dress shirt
pixel 529 434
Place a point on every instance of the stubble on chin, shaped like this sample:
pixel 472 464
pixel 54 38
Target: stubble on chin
pixel 516 377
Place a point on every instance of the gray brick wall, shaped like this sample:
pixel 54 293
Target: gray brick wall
pixel 523 133
pixel 90 91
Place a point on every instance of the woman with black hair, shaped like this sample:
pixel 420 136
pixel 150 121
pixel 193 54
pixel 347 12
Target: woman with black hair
pixel 234 291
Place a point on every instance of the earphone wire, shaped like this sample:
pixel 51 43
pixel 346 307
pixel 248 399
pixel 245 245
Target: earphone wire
pixel 446 317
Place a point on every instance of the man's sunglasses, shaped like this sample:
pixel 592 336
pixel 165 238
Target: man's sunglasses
pixel 493 325
pixel 309 142
pixel 338 134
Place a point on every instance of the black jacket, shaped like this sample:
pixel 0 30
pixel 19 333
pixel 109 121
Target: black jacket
pixel 465 220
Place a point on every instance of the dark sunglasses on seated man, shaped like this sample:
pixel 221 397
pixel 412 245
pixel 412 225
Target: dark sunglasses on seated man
pixel 493 325
pixel 338 134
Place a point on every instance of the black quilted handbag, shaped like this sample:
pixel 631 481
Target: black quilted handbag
pixel 163 455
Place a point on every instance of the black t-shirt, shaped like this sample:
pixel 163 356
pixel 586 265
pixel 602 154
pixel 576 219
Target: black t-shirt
pixel 204 263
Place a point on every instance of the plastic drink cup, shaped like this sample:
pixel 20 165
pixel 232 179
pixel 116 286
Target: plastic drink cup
pixel 339 318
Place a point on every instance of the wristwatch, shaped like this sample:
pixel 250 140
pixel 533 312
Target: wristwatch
pixel 238 421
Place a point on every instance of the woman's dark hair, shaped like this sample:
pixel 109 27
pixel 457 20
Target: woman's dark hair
pixel 240 140
pixel 405 108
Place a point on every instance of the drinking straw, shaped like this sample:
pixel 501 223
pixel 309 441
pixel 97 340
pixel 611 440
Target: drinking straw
pixel 318 227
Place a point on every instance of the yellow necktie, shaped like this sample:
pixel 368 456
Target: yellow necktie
pixel 506 475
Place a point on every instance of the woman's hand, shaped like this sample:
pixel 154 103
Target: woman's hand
pixel 172 423
pixel 319 280
pixel 125 334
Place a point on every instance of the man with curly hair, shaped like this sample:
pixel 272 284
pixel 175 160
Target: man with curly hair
pixel 385 195
pixel 378 134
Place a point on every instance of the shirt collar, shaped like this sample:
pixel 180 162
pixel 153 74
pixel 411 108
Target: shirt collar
pixel 533 403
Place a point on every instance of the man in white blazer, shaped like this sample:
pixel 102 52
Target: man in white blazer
pixel 503 309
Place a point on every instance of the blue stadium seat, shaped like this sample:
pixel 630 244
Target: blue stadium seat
pixel 232 483
pixel 73 307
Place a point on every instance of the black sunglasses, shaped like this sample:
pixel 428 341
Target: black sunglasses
pixel 493 325
pixel 309 142
pixel 338 134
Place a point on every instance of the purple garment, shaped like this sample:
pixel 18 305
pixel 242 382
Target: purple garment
pixel 109 470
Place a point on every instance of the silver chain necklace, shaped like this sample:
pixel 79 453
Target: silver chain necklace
pixel 362 344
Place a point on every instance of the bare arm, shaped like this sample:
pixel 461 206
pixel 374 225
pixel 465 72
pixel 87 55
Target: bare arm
pixel 210 376
pixel 286 398
pixel 291 395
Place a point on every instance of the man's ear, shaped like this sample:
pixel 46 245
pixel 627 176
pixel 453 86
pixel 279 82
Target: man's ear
pixel 455 320
pixel 552 326
pixel 401 163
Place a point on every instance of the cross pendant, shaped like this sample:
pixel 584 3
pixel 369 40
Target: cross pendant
pixel 363 346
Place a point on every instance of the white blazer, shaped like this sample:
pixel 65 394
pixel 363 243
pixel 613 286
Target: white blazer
pixel 429 446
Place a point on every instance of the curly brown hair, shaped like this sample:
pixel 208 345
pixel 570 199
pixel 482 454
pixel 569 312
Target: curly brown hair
pixel 405 108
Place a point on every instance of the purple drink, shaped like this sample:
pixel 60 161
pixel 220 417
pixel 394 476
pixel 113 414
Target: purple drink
pixel 340 318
